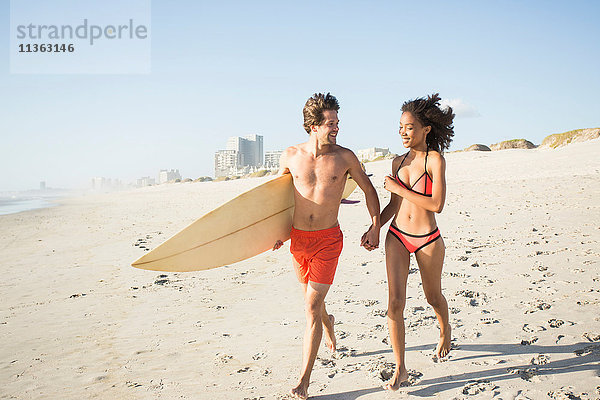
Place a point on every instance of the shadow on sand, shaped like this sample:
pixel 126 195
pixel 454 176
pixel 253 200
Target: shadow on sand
pixel 352 395
pixel 586 357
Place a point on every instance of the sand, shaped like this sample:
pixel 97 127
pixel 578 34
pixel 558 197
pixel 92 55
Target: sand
pixel 521 278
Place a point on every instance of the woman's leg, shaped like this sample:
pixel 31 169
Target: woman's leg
pixel 431 260
pixel 397 260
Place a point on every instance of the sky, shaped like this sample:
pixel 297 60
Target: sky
pixel 511 69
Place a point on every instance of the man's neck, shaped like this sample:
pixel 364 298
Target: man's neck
pixel 316 148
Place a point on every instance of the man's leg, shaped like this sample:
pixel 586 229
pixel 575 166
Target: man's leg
pixel 328 322
pixel 328 319
pixel 314 299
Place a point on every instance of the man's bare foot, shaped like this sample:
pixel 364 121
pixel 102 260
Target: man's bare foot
pixel 443 348
pixel 329 334
pixel 300 391
pixel 400 378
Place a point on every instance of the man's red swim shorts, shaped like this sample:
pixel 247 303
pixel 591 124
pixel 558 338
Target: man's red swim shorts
pixel 317 252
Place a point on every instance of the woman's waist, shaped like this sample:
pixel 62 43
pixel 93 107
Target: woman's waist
pixel 415 224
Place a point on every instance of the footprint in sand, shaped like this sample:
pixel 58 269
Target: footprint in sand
pixel 326 363
pixel 538 305
pixel 379 313
pixel 540 359
pixel 527 342
pixel 473 388
pixel 222 358
pixel 592 337
pixel 489 321
pixel 369 303
pixel 565 392
pixel 530 329
pixel 556 323
pixel 524 373
pixel 381 369
pixel 341 334
pixel 343 352
pixel 162 280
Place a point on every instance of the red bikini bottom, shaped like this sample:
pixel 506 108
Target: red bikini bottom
pixel 414 243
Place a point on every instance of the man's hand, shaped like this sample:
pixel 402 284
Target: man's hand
pixel 277 245
pixel 370 240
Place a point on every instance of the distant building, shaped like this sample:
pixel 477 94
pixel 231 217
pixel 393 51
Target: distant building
pixel 272 159
pixel 102 183
pixel 249 149
pixel 226 162
pixel 42 185
pixel 145 181
pixel 372 153
pixel 165 176
pixel 241 156
pixel 99 183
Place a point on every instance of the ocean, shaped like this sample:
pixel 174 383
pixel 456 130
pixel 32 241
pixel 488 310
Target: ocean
pixel 18 203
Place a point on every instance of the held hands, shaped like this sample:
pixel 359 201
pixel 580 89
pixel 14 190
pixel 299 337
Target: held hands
pixel 277 245
pixel 370 240
pixel 391 185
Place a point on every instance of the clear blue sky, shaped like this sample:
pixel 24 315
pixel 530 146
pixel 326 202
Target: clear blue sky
pixel 517 69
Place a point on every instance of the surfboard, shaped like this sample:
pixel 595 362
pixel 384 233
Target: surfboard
pixel 242 228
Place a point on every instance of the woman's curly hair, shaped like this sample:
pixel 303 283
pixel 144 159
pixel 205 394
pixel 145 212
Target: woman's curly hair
pixel 428 112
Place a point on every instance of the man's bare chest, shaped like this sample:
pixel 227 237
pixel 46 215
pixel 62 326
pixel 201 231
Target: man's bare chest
pixel 318 173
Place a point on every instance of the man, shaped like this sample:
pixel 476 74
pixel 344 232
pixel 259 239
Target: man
pixel 319 169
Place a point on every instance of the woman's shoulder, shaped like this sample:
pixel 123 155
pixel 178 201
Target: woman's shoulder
pixel 435 159
pixel 435 155
pixel 397 160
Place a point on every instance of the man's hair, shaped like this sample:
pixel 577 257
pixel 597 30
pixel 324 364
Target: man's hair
pixel 314 107
pixel 428 112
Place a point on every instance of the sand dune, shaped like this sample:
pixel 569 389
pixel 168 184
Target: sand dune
pixel 521 278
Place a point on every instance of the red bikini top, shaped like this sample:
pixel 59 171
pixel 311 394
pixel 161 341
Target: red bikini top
pixel 423 185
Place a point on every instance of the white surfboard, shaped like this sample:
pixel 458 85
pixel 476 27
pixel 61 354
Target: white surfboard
pixel 243 227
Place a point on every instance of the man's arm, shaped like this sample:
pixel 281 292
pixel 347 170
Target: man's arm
pixel 370 239
pixel 283 163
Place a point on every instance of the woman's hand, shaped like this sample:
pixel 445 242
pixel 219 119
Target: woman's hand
pixel 391 185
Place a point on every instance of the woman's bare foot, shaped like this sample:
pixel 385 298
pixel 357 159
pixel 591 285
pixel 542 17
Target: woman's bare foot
pixel 300 391
pixel 329 334
pixel 399 378
pixel 443 348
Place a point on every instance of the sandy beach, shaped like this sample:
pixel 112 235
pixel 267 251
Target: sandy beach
pixel 522 279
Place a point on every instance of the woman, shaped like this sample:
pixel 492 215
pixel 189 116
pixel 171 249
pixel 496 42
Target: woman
pixel 418 187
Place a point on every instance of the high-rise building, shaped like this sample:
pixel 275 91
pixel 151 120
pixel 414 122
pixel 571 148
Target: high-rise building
pixel 165 176
pixel 242 154
pixel 272 159
pixel 226 162
pixel 145 181
pixel 249 148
